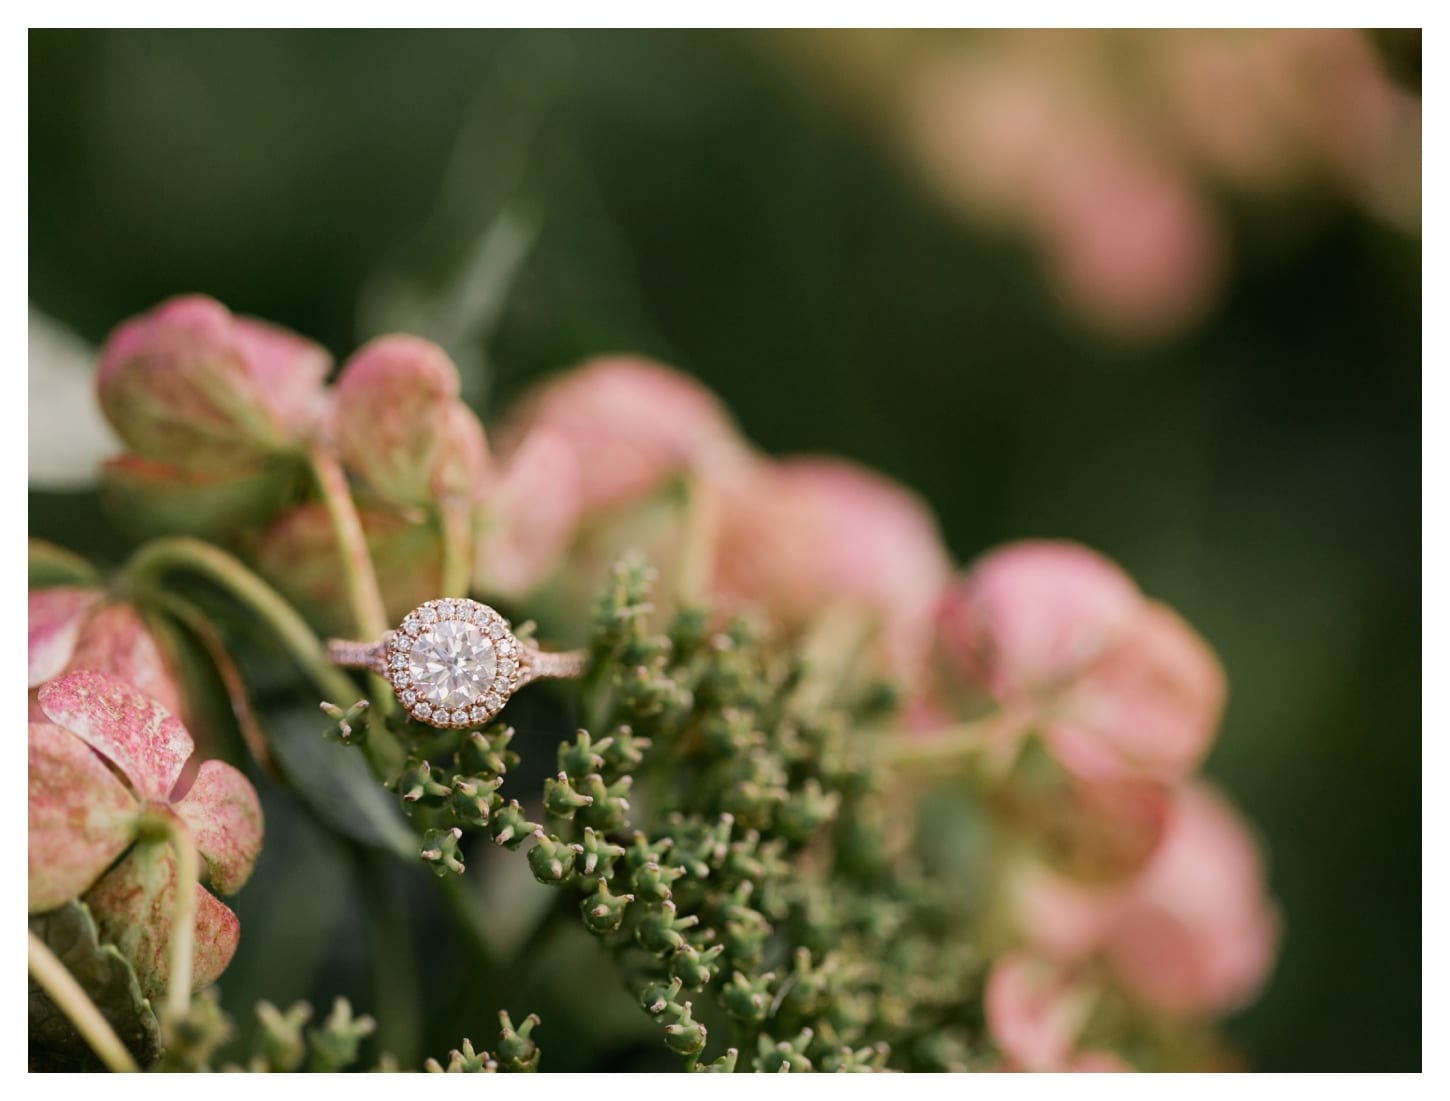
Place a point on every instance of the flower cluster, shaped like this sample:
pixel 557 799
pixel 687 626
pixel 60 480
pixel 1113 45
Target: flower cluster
pixel 798 669
pixel 1105 149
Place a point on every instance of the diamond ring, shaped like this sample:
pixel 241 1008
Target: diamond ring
pixel 454 662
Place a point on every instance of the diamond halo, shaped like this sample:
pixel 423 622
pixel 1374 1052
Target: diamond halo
pixel 452 663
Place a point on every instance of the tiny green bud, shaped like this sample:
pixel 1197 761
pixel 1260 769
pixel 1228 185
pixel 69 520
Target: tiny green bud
pixel 551 859
pixel 509 826
pixel 604 912
pixel 440 849
pixel 560 798
pixel 516 1048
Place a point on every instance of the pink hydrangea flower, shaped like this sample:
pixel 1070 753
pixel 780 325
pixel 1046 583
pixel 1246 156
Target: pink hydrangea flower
pixel 192 385
pixel 76 627
pixel 1035 1011
pixel 1120 686
pixel 804 534
pixel 1197 934
pixel 104 774
pixel 632 424
pixel 400 425
pixel 1192 935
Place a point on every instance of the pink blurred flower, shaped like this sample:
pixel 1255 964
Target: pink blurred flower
pixel 632 424
pixel 191 385
pixel 806 534
pixel 1120 686
pixel 528 517
pixel 1192 935
pixel 83 817
pixel 400 425
pixel 1197 934
pixel 75 627
pixel 1035 1011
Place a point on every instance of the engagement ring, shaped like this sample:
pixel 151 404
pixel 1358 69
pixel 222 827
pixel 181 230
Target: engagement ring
pixel 454 662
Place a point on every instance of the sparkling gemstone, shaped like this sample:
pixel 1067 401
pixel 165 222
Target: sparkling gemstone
pixel 480 614
pixel 423 711
pixel 410 698
pixel 452 663
pixel 460 715
pixel 427 615
pixel 478 714
pixel 403 643
pixel 492 701
pixel 506 667
pixel 497 630
pixel 401 678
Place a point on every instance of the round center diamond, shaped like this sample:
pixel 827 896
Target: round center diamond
pixel 452 664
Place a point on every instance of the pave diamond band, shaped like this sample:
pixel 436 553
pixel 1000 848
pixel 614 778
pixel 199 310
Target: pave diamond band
pixel 454 663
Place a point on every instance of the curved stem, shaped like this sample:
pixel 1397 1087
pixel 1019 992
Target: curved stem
pixel 160 556
pixel 183 923
pixel 364 597
pixel 73 1001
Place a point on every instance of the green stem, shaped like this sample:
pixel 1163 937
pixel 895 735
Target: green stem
pixel 73 1001
pixel 183 922
pixel 364 597
pixel 985 741
pixel 456 520
pixel 154 560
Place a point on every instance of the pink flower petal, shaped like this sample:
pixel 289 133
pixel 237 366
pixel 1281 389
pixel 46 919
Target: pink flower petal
pixel 177 388
pixel 1149 707
pixel 116 640
pixel 289 368
pixel 632 423
pixel 81 816
pixel 529 518
pixel 1035 1011
pixel 389 402
pixel 1198 934
pixel 1099 1062
pixel 225 819
pixel 56 616
pixel 135 907
pixel 140 736
pixel 1030 616
pixel 808 533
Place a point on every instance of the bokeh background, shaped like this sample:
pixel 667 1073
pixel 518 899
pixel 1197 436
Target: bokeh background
pixel 1158 292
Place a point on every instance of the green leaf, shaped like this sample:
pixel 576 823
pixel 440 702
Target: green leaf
pixel 52 565
pixel 109 980
pixel 335 782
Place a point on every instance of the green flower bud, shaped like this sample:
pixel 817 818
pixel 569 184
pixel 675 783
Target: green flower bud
pixel 509 826
pixel 440 849
pixel 516 1048
pixel 560 798
pixel 552 860
pixel 604 912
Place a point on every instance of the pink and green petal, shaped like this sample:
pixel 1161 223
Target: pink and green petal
pixel 56 617
pixel 225 820
pixel 388 403
pixel 116 640
pixel 135 906
pixel 140 736
pixel 81 817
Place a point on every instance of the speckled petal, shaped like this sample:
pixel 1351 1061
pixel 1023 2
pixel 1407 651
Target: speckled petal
pixel 226 820
pixel 135 904
pixel 145 741
pixel 116 640
pixel 81 816
pixel 56 617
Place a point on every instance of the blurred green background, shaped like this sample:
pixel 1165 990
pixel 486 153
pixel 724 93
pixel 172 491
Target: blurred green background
pixel 694 196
